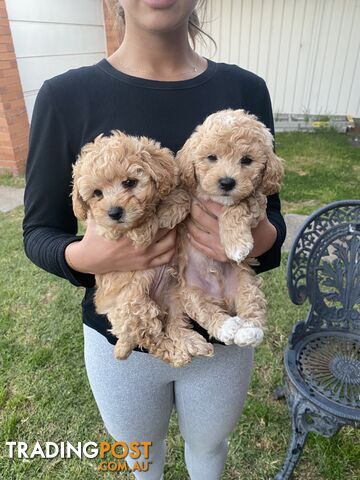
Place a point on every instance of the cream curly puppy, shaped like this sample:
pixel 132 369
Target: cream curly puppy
pixel 127 185
pixel 229 159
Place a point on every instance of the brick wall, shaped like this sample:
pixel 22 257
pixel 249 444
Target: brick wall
pixel 14 124
pixel 113 36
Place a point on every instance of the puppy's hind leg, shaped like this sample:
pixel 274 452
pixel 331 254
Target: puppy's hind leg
pixel 250 305
pixel 150 330
pixel 123 327
pixel 142 329
pixel 206 311
pixel 136 318
pixel 183 342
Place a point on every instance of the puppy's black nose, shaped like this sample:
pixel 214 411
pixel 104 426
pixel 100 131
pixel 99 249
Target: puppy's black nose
pixel 115 213
pixel 227 183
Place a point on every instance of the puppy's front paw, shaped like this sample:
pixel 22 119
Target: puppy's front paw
pixel 226 333
pixel 239 253
pixel 249 335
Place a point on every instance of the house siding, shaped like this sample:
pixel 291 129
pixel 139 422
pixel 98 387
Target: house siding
pixel 306 50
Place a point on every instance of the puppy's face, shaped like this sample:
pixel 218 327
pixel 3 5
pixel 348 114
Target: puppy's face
pixel 229 157
pixel 123 199
pixel 120 180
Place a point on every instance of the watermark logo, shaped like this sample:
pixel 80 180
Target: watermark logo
pixel 135 450
pixel 114 457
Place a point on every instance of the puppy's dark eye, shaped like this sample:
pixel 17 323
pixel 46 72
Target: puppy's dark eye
pixel 129 183
pixel 98 193
pixel 246 161
pixel 212 158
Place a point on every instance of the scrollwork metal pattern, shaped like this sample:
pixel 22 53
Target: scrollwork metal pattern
pixel 330 365
pixel 324 266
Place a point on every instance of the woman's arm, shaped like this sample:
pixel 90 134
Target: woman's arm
pixel 270 258
pixel 97 255
pixel 50 226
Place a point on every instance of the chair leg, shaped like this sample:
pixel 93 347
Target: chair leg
pixel 305 418
pixel 297 442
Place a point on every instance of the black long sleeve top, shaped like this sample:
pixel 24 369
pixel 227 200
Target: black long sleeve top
pixel 71 109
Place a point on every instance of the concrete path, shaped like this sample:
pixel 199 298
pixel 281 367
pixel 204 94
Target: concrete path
pixel 11 198
pixel 293 224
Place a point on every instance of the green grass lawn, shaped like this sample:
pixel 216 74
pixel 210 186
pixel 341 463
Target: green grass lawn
pixel 320 168
pixel 9 180
pixel 45 396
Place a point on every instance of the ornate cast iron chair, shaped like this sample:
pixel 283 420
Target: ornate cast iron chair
pixel 322 360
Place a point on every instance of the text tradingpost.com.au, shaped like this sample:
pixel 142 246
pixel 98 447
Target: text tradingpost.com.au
pixel 111 455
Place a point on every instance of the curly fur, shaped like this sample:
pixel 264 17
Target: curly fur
pixel 101 177
pixel 226 299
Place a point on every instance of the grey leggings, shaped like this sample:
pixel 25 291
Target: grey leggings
pixel 135 398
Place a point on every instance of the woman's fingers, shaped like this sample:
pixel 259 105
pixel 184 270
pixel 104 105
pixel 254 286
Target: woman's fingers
pixel 203 218
pixel 208 251
pixel 198 234
pixel 209 244
pixel 203 229
pixel 162 246
pixel 213 208
pixel 162 259
pixel 160 234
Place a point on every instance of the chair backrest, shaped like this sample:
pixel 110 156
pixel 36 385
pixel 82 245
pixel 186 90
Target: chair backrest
pixel 324 266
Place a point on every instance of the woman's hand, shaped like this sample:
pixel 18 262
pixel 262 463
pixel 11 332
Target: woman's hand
pixel 94 254
pixel 203 228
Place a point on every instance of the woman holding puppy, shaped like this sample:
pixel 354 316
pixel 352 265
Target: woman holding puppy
pixel 154 85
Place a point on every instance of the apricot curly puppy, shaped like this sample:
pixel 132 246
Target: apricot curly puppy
pixel 229 159
pixel 127 185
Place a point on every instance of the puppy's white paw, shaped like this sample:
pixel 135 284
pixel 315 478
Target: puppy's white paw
pixel 226 333
pixel 249 335
pixel 239 253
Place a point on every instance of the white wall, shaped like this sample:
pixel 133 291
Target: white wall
pixel 52 36
pixel 306 50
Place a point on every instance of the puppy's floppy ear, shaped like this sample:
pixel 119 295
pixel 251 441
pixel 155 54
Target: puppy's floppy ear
pixel 80 207
pixel 160 163
pixel 273 174
pixel 185 161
